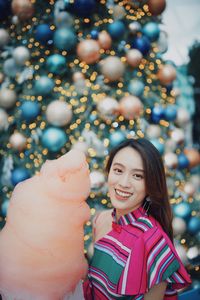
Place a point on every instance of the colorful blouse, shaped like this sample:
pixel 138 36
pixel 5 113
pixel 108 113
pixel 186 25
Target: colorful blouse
pixel 133 257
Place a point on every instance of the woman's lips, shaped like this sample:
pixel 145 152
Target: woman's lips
pixel 122 195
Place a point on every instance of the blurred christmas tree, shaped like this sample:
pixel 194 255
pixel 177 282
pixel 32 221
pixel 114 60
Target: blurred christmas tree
pixel 87 74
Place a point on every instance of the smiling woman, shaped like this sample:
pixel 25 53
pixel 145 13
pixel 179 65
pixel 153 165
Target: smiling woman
pixel 134 257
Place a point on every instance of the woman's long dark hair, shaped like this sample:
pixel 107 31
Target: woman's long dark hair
pixel 155 180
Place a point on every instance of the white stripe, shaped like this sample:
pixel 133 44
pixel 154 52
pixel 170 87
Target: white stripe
pixel 155 250
pixel 117 242
pixel 157 263
pixel 145 219
pixel 111 253
pixel 106 288
pixel 179 278
pixel 125 275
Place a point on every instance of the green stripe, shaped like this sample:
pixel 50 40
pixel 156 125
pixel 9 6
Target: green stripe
pixel 147 222
pixel 108 265
pixel 157 258
pixel 174 266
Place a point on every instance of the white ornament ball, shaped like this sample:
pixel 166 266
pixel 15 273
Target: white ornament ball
pixel 183 117
pixel 193 252
pixel 118 12
pixel 10 68
pixel 178 135
pixel 182 253
pixel 97 180
pixel 134 57
pixel 153 131
pixel 189 188
pixel 108 107
pixel 171 160
pixel 134 27
pixel 21 54
pixel 3 120
pixel 179 225
pixel 112 68
pixel 59 113
pixel 63 19
pixel 7 98
pixel 195 181
pixel 4 37
pixel 170 145
pixel 17 141
pixel 81 146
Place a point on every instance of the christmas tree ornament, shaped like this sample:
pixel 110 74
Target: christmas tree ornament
pixel 56 64
pixel 10 68
pixel 153 131
pixel 83 8
pixel 134 27
pixel 157 113
pixel 58 113
pixel 130 107
pixel 3 120
pixel 43 86
pixel 134 57
pixel 116 138
pixel 189 188
pixel 193 156
pixel 108 108
pixel 193 226
pixel 141 43
pixel 179 225
pixel 159 146
pixel 171 160
pixel 21 55
pixel 105 40
pixel 183 117
pixel 43 33
pixel 65 39
pixel 24 9
pixel 63 19
pixel 118 12
pixel 18 141
pixel 94 34
pixel 7 98
pixel 170 113
pixel 112 68
pixel 136 87
pixel 177 135
pixel 156 7
pixel 88 51
pixel 183 161
pixel 53 139
pixel 29 110
pixel 151 30
pixel 116 30
pixel 4 37
pixel 182 210
pixel 19 174
pixel 166 74
pixel 97 180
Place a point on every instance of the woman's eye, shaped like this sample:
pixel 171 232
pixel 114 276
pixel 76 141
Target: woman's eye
pixel 118 171
pixel 138 176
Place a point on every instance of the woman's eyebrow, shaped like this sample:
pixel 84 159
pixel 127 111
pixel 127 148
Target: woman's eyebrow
pixel 134 169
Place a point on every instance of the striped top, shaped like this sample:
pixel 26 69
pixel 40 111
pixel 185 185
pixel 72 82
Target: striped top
pixel 130 259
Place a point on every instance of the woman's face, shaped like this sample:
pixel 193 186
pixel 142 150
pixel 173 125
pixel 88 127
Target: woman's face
pixel 126 183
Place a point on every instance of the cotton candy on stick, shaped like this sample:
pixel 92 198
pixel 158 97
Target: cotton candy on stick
pixel 41 244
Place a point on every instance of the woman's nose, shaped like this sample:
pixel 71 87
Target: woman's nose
pixel 125 180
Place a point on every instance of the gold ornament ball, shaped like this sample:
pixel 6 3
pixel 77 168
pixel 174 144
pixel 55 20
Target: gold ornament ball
pixel 105 40
pixel 156 7
pixel 112 68
pixel 134 57
pixel 24 9
pixel 130 107
pixel 166 74
pixel 193 156
pixel 88 51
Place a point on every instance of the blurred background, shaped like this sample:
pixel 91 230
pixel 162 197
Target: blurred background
pixel 86 74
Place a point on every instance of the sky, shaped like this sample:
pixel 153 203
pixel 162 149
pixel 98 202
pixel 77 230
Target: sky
pixel 181 21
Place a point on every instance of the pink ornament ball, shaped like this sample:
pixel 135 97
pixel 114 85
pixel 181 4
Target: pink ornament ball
pixel 166 74
pixel 24 9
pixel 134 57
pixel 105 40
pixel 130 107
pixel 88 51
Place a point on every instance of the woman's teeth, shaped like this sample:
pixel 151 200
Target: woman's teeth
pixel 123 194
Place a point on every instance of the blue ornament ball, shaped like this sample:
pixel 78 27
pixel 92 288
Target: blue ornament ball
pixel 193 225
pixel 151 30
pixel 116 138
pixel 83 8
pixel 117 29
pixel 141 43
pixel 183 161
pixel 54 139
pixel 170 113
pixel 29 110
pixel 157 114
pixel 182 210
pixel 65 39
pixel 43 33
pixel 18 175
pixel 44 85
pixel 159 146
pixel 56 64
pixel 136 87
pixel 94 34
pixel 5 9
pixel 4 207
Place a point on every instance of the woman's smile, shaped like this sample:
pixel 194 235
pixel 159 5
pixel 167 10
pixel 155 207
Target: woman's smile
pixel 122 195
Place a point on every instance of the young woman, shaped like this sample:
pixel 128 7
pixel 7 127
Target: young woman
pixel 134 256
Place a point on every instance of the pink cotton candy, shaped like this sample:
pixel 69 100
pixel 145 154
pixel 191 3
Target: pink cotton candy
pixel 42 245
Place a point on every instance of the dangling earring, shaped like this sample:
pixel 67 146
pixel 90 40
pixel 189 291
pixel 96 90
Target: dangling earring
pixel 147 204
